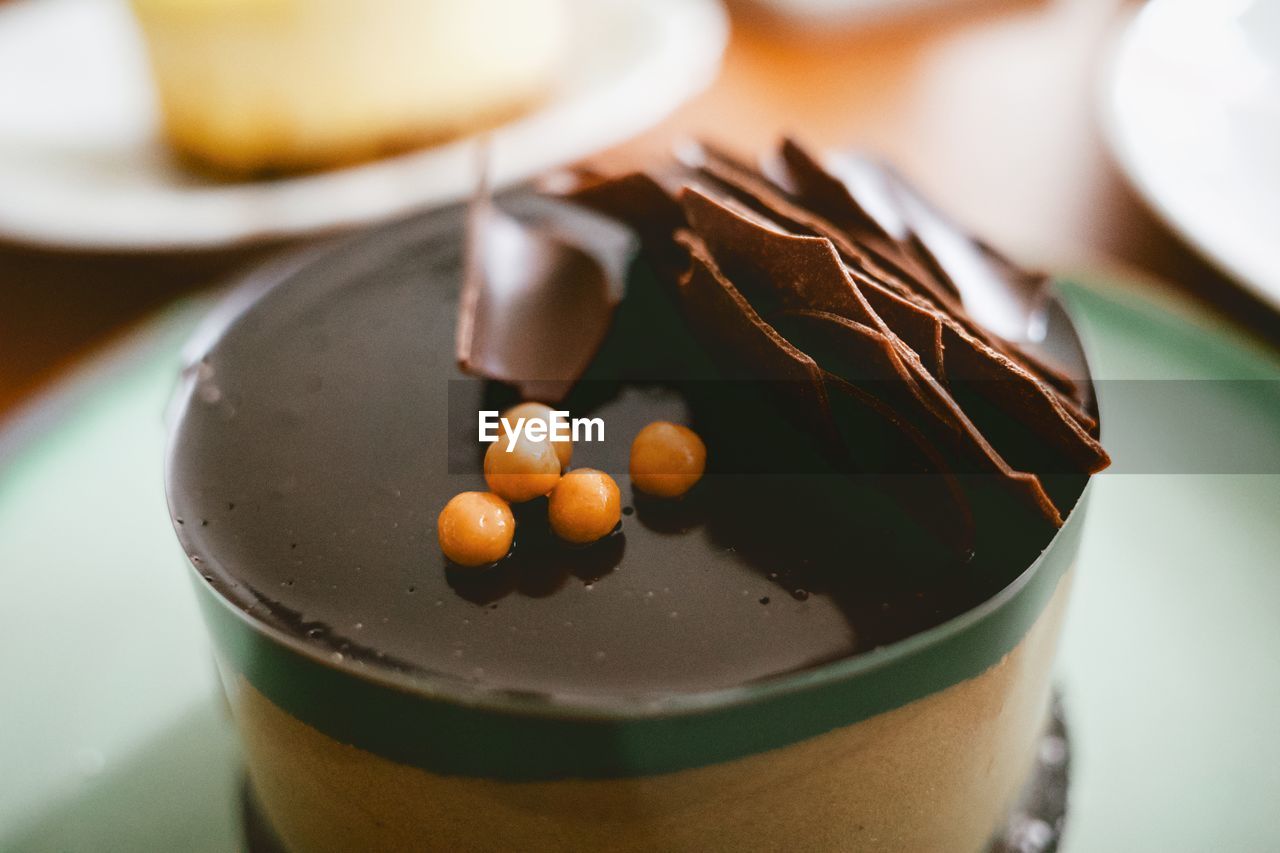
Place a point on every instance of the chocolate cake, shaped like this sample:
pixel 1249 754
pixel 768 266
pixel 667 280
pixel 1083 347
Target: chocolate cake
pixel 880 459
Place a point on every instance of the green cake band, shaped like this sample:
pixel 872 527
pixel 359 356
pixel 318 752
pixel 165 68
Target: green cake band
pixel 450 728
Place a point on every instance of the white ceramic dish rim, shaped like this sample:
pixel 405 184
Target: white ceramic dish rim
pixel 631 90
pixel 1151 185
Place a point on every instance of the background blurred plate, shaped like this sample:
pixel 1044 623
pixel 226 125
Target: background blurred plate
pixel 1191 110
pixel 818 13
pixel 82 164
pixel 114 736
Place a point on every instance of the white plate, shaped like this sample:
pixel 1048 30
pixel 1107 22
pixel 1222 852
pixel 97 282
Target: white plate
pixel 82 164
pixel 1191 110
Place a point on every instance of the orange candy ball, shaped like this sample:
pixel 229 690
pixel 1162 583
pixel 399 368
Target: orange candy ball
pixel 585 506
pixel 527 471
pixel 541 412
pixel 667 459
pixel 475 528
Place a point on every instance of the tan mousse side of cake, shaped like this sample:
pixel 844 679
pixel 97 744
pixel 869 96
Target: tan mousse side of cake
pixel 259 86
pixel 939 774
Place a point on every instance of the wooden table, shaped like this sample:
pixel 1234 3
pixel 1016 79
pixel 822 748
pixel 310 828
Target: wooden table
pixel 989 108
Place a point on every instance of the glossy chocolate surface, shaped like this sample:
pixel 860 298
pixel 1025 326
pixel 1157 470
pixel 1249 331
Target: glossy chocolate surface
pixel 325 427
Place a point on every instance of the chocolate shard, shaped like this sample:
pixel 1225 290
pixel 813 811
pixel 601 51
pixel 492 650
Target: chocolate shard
pixel 1013 298
pixel 846 283
pixel 925 402
pixel 542 281
pixel 798 270
pixel 724 318
pixel 887 234
pixel 643 202
pixel 757 194
pixel 937 500
pixel 754 190
pixel 804 277
pixel 802 272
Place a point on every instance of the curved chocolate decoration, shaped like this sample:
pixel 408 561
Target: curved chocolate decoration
pixel 541 284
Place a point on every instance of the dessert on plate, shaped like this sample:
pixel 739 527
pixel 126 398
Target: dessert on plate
pixel 266 86
pixel 802 592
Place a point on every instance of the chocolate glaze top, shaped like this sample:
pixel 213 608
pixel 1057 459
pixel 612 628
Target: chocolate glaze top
pixel 323 427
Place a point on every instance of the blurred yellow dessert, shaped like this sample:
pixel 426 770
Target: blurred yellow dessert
pixel 259 86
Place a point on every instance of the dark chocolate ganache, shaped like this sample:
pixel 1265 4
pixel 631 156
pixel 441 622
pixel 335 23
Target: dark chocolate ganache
pixel 324 426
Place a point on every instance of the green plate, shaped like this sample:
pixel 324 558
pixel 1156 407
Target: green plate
pixel 113 736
